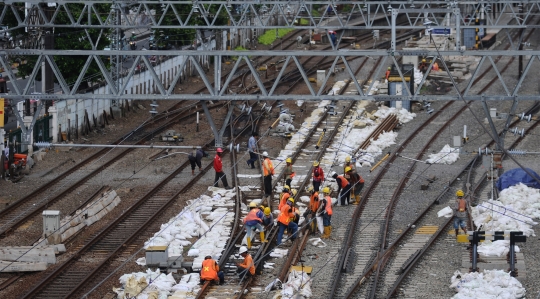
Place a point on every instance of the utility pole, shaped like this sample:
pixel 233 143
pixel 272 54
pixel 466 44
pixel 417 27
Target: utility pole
pixel 116 60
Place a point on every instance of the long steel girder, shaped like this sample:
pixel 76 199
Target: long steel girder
pixel 263 14
pixel 510 84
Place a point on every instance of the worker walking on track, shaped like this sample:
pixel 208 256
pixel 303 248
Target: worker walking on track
pixel 252 221
pixel 344 188
pixel 387 75
pixel 348 163
pixel 252 148
pixel 325 209
pixel 289 173
pixel 312 209
pixel 268 172
pixel 195 159
pixel 357 184
pixel 284 221
pixel 218 167
pixel 460 214
pixel 285 197
pixel 318 176
pixel 247 267
pixel 210 271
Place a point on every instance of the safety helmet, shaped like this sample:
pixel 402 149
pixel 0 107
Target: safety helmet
pixel 242 249
pixel 315 163
pixel 286 187
pixel 310 189
pixel 291 199
pixel 326 190
pixel 294 191
pixel 207 257
pixel 267 211
pixel 265 154
pixel 219 150
pixel 348 159
pixel 389 68
pixel 348 168
pixel 288 160
pixel 460 193
pixel 333 174
pixel 252 204
pixel 423 60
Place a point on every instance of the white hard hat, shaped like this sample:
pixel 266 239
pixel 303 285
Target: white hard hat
pixel 242 250
pixel 333 173
pixel 265 154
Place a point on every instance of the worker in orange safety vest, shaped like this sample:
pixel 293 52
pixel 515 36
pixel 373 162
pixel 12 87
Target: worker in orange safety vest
pixel 284 221
pixel 325 210
pixel 247 267
pixel 210 271
pixel 268 172
pixel 344 188
pixel 253 220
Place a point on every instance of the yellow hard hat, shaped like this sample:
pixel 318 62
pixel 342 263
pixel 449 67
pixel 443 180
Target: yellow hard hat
pixel 288 160
pixel 294 191
pixel 315 163
pixel 286 187
pixel 348 168
pixel 252 204
pixel 267 211
pixel 348 159
pixel 389 68
pixel 326 190
pixel 423 60
pixel 310 189
pixel 290 199
pixel 460 193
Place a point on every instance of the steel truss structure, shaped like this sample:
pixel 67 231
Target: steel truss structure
pixel 180 14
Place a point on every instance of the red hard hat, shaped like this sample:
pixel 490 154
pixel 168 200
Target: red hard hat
pixel 219 150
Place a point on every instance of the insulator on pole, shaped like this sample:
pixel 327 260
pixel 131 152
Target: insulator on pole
pixel 517 152
pixel 43 144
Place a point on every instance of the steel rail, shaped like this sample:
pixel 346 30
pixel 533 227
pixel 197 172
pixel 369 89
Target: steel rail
pixel 21 219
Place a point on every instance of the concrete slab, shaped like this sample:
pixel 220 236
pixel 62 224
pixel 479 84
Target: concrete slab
pixel 45 255
pixel 22 267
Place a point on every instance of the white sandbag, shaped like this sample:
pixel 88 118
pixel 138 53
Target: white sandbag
pixel 320 225
pixel 193 252
pixel 446 212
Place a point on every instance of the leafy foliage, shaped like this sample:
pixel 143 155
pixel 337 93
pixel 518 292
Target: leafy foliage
pixel 270 36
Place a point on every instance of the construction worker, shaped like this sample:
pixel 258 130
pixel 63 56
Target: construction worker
pixel 268 171
pixel 284 221
pixel 253 220
pixel 218 167
pixel 195 159
pixel 289 173
pixel 296 211
pixel 388 72
pixel 285 194
pixel 313 208
pixel 423 67
pixel 210 271
pixel 357 183
pixel 252 148
pixel 460 213
pixel 344 188
pixel 318 175
pixel 325 209
pixel 285 197
pixel 348 163
pixel 268 218
pixel 247 267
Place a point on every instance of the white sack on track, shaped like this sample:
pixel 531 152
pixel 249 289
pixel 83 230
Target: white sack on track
pixel 515 210
pixel 402 114
pixel 447 155
pixel 446 212
pixel 489 284
pixel 279 253
pixel 298 283
pixel 496 248
pixel 136 284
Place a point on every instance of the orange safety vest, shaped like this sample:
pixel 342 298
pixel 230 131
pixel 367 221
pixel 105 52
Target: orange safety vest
pixel 209 270
pixel 344 181
pixel 313 204
pixel 285 216
pixel 252 215
pixel 328 206
pixel 268 167
pixel 248 263
pixel 283 200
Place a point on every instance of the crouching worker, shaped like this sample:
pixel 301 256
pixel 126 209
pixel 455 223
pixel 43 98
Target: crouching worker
pixel 210 271
pixel 284 220
pixel 247 267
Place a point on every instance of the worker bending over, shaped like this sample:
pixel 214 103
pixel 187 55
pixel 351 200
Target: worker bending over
pixel 210 271
pixel 247 267
pixel 284 220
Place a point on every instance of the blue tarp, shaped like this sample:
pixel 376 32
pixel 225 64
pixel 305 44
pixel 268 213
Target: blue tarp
pixel 515 176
